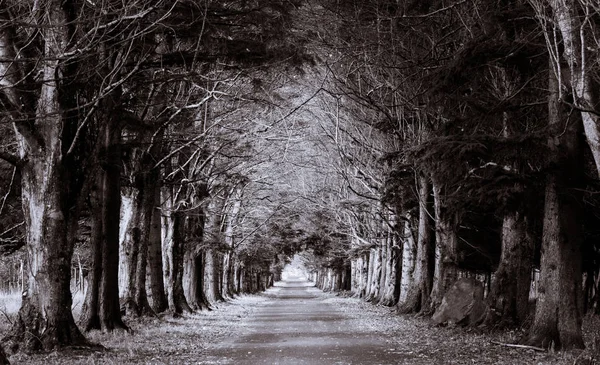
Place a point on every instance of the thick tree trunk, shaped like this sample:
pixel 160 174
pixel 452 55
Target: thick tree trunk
pixel 135 247
pixel 155 264
pixel 509 294
pixel 212 275
pixel 195 276
pixel 45 320
pixel 409 250
pixel 383 276
pixel 90 311
pixel 389 297
pixel 228 275
pixel 557 321
pixel 178 303
pixel 50 194
pixel 446 270
pixel 419 288
pixel 145 204
pixel 101 309
pixel 365 268
pixel 354 275
pixel 374 272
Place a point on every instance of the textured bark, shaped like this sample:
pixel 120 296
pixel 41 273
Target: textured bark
pixel 195 276
pixel 212 275
pixel 579 56
pixel 509 294
pixel 409 249
pixel 90 311
pixel 446 271
pixel 177 300
pixel 374 273
pixel 50 189
pixel 145 204
pixel 419 288
pixel 155 265
pixel 101 309
pixel 229 290
pixel 389 295
pixel 557 321
pixel 384 274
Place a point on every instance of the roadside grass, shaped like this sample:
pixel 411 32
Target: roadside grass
pixel 417 336
pixel 155 340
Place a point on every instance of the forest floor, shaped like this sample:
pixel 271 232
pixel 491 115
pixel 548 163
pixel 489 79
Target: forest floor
pixel 265 328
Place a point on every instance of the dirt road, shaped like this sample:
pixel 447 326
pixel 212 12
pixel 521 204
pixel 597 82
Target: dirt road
pixel 297 326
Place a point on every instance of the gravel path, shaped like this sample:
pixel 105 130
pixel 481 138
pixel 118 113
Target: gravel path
pixel 298 326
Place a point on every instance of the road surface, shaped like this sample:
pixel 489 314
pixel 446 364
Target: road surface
pixel 297 326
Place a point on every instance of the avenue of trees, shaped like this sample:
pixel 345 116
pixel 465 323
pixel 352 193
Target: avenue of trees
pixel 468 146
pixel 183 151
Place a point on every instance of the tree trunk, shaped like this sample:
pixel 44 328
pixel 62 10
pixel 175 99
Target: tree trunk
pixel 50 193
pixel 101 309
pixel 509 294
pixel 417 293
pixel 374 271
pixel 228 275
pixel 409 249
pixel 45 320
pixel 557 321
pixel 384 274
pixel 365 268
pixel 155 264
pixel 355 263
pixel 389 297
pixel 212 275
pixel 177 300
pixel 146 182
pixel 579 52
pixel 446 270
pixel 90 311
pixel 195 274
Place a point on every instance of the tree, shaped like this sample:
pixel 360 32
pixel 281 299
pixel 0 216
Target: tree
pixel 576 66
pixel 557 322
pixel 46 134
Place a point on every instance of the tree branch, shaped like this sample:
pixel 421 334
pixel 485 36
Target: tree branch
pixel 10 158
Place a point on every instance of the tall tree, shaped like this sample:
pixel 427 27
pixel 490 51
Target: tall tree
pixel 51 182
pixel 557 321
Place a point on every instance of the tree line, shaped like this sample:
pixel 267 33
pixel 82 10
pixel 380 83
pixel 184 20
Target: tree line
pixel 189 149
pixel 466 136
pixel 124 133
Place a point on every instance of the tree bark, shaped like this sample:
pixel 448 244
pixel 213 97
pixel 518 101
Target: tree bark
pixel 419 288
pixel 580 57
pixel 446 270
pixel 389 297
pixel 101 309
pixel 50 192
pixel 557 321
pixel 144 193
pixel 155 265
pixel 90 311
pixel 212 288
pixel 409 248
pixel 509 293
pixel 178 303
